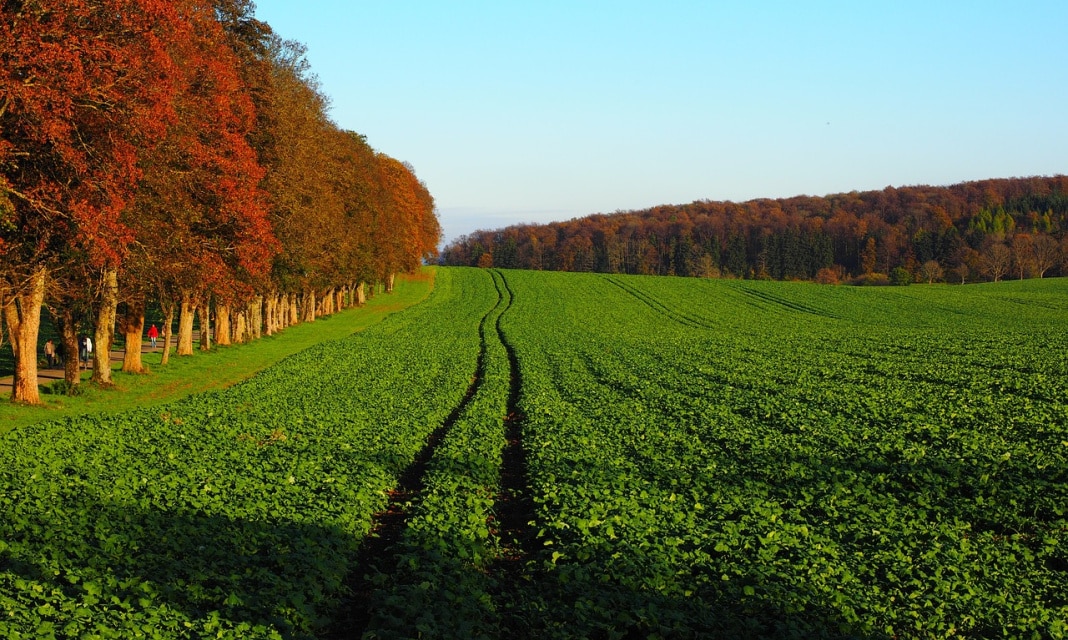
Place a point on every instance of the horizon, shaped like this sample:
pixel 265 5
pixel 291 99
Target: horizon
pixel 747 200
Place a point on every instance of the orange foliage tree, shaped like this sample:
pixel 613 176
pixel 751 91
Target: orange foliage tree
pixel 200 213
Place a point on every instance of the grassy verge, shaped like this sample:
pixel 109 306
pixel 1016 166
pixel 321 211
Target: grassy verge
pixel 219 368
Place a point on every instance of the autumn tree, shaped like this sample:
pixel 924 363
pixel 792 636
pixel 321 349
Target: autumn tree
pixel 1022 253
pixel 868 256
pixel 790 237
pixel 357 186
pixel 84 87
pixel 406 227
pixel 1044 254
pixel 159 150
pixel 997 260
pixel 931 271
pixel 306 211
pixel 200 214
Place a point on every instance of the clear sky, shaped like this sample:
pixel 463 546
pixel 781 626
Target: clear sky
pixel 547 110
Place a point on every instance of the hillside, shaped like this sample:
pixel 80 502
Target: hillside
pixel 984 230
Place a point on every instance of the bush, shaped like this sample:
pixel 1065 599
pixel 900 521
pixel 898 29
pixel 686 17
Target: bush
pixel 900 277
pixel 829 275
pixel 872 280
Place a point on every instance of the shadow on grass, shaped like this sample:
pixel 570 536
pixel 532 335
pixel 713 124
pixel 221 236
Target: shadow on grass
pixel 72 564
pixel 79 567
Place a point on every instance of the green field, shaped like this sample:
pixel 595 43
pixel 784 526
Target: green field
pixel 608 457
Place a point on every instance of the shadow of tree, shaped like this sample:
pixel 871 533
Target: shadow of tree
pixel 75 566
pixel 131 572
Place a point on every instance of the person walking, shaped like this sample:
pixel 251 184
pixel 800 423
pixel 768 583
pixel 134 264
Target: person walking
pixel 153 333
pixel 85 348
pixel 50 353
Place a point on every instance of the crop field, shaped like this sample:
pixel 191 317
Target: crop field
pixel 532 454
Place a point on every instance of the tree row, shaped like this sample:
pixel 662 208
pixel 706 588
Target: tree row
pixel 180 153
pixel 984 230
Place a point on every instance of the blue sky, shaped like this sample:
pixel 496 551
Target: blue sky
pixel 538 111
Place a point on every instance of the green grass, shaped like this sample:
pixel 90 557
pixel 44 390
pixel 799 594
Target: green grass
pixel 219 368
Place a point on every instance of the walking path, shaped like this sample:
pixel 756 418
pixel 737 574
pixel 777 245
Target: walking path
pixel 46 375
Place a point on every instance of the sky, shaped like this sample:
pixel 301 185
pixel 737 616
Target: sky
pixel 530 112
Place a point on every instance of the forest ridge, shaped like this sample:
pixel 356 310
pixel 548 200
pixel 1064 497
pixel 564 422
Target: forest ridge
pixel 972 231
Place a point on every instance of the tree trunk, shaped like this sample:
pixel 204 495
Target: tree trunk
pixel 309 306
pixel 275 320
pixel 104 331
pixel 223 331
pixel 168 322
pixel 361 295
pixel 268 320
pixel 132 325
pixel 255 315
pixel 68 332
pixel 185 325
pixel 23 315
pixel 222 324
pixel 204 311
pixel 239 327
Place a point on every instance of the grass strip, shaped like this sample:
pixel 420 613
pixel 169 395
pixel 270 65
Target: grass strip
pixel 219 368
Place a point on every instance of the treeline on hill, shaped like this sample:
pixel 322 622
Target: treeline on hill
pixel 987 229
pixel 180 153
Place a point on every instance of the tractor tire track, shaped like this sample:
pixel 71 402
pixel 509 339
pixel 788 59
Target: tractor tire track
pixel 781 302
pixel 515 505
pixel 378 553
pixel 659 307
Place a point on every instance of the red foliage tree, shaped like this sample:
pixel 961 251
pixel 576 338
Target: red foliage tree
pixel 84 87
pixel 200 215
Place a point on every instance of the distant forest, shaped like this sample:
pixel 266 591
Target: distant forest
pixel 973 231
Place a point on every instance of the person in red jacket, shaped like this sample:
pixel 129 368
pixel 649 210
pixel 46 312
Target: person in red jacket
pixel 153 333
